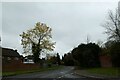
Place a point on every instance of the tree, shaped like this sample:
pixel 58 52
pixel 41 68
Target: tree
pixel 112 25
pixel 86 55
pixel 58 59
pixel 68 59
pixel 100 43
pixel 115 54
pixel 53 60
pixel 37 39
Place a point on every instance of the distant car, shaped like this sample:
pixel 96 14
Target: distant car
pixel 29 61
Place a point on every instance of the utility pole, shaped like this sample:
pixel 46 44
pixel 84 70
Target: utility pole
pixel 88 39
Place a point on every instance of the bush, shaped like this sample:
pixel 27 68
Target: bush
pixel 49 65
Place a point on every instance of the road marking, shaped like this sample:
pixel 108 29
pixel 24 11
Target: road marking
pixel 60 76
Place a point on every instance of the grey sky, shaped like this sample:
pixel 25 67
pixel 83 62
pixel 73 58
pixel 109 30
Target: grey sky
pixel 70 22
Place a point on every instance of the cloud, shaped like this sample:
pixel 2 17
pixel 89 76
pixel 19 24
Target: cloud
pixel 0 19
pixel 70 22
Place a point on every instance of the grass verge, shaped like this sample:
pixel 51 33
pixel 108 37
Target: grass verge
pixel 105 71
pixel 31 71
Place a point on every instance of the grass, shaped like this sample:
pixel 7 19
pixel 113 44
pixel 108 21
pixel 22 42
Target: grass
pixel 105 71
pixel 30 71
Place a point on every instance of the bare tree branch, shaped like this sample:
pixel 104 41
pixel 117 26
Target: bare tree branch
pixel 112 25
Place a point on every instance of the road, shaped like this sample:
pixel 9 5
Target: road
pixel 65 72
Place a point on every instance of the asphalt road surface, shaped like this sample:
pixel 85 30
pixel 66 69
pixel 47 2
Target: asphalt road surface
pixel 65 72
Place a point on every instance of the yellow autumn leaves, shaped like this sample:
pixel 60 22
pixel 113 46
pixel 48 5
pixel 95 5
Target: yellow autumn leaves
pixel 39 35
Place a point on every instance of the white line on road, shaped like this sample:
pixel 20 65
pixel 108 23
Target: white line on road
pixel 60 76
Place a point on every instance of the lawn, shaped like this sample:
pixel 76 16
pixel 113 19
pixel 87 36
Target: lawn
pixel 105 71
pixel 31 71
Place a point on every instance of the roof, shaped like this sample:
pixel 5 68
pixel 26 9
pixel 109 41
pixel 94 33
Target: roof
pixel 10 52
pixel 29 57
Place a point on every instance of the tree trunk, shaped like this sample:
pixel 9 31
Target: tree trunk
pixel 36 53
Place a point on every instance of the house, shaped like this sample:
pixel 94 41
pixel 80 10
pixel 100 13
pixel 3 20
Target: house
pixel 10 56
pixel 12 61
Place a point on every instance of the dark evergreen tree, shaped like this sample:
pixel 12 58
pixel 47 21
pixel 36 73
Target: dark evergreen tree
pixel 115 54
pixel 58 59
pixel 87 55
pixel 68 60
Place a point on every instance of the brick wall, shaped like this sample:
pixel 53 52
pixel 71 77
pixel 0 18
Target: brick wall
pixel 105 61
pixel 19 67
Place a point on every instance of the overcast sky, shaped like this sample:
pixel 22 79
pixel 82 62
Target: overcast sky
pixel 71 22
